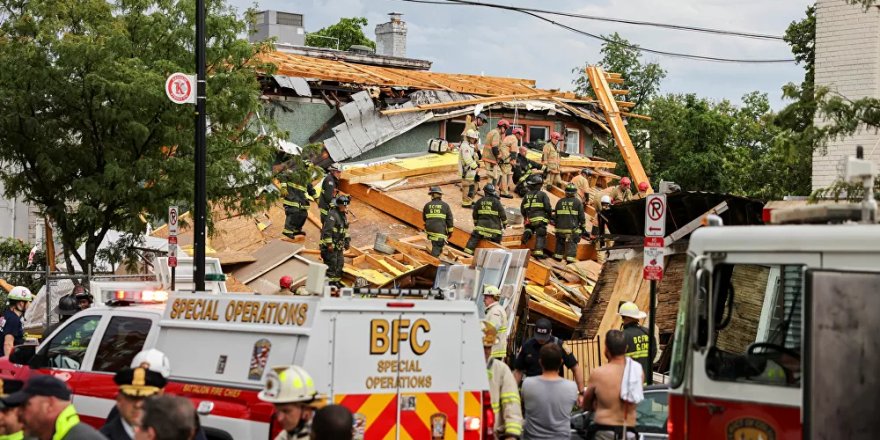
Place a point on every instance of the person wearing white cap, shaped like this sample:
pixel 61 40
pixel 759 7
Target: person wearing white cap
pixel 637 337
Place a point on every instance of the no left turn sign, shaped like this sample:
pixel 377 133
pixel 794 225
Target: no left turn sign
pixel 180 88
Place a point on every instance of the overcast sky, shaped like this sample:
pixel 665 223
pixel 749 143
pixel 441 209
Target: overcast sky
pixel 466 39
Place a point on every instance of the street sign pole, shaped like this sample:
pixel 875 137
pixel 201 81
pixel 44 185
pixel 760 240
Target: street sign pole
pixel 200 207
pixel 655 231
pixel 173 217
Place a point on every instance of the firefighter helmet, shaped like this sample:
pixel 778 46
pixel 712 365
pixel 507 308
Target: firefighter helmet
pixel 472 134
pixel 20 293
pixel 153 360
pixel 489 290
pixel 483 117
pixel 489 190
pixel 334 167
pixel 625 181
pixel 435 190
pixel 631 310
pixel 555 136
pixel 290 384
pixel 586 171
pixel 285 282
pixel 490 334
pixel 570 188
pixel 643 186
pixel 606 200
pixel 518 131
pixel 342 200
pixel 535 180
pixel 67 306
pixel 503 123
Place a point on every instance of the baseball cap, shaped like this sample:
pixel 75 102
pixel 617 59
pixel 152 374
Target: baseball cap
pixel 7 387
pixel 543 328
pixel 41 385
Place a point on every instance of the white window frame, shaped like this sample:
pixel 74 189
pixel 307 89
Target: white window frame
pixel 573 134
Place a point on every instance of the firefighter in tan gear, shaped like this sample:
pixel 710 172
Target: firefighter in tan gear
pixel 502 389
pixel 292 391
pixel 550 159
pixel 492 151
pixel 509 150
pixel 497 316
pixel 467 161
pixel 474 124
pixel 582 183
pixel 622 193
pixel 643 191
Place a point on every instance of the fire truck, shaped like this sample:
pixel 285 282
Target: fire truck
pixel 776 335
pixel 407 364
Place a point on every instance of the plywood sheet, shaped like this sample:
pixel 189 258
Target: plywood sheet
pixel 268 257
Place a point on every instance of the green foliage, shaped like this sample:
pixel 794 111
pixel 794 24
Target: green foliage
pixel 301 167
pixel 86 131
pixel 349 32
pixel 842 190
pixel 14 256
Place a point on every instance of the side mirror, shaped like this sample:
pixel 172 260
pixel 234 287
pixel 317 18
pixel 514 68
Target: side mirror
pixel 22 354
pixel 700 308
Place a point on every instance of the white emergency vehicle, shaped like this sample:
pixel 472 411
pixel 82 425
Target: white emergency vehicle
pixel 407 366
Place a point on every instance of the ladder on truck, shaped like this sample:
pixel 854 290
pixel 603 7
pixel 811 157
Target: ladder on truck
pixel 599 80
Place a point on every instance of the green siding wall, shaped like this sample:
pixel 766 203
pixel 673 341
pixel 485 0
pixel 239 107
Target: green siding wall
pixel 413 141
pixel 302 120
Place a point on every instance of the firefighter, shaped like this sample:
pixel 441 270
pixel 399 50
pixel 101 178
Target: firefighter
pixel 582 183
pixel 297 192
pixel 292 390
pixel 438 220
pixel 11 328
pixel 83 298
pixel 492 151
pixel 67 307
pixel 467 161
pixel 489 219
pixel 284 285
pixel 570 224
pixel 328 191
pixel 601 227
pixel 135 385
pixel 637 337
pixel 550 159
pixel 503 390
pixel 474 124
pixel 335 239
pixel 522 185
pixel 621 193
pixel 497 316
pixel 643 191
pixel 509 151
pixel 536 211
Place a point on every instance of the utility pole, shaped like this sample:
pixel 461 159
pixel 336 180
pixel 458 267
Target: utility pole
pixel 200 153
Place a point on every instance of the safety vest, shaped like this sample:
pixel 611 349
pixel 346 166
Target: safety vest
pixel 569 215
pixel 489 217
pixel 535 207
pixel 65 422
pixel 438 220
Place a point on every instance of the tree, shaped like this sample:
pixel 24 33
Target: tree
pixel 348 32
pixel 87 133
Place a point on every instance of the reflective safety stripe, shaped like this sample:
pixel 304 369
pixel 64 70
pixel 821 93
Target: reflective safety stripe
pixel 539 219
pixel 498 354
pixel 487 230
pixel 638 354
pixel 323 211
pixel 563 231
pixel 291 204
pixel 440 216
pixel 487 212
pixel 565 212
pixel 435 236
pixel 513 428
pixel 295 186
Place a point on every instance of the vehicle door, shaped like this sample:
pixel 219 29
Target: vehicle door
pixel 118 339
pixel 746 369
pixel 68 350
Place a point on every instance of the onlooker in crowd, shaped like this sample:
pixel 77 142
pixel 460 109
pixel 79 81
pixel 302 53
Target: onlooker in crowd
pixel 528 363
pixel 332 422
pixel 47 413
pixel 608 385
pixel 10 425
pixel 167 418
pixel 548 399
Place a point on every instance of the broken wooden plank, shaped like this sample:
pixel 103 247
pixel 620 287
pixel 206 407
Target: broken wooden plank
pixel 538 273
pixel 582 114
pixel 619 92
pixel 633 115
pixel 468 102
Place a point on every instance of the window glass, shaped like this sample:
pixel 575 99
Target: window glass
pixel 68 348
pixel 680 339
pixel 124 338
pixel 652 412
pixel 537 133
pixel 757 324
pixel 572 141
pixel 454 130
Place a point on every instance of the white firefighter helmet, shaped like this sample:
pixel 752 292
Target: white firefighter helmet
pixel 153 360
pixel 606 200
pixel 473 134
pixel 489 290
pixel 290 384
pixel 20 293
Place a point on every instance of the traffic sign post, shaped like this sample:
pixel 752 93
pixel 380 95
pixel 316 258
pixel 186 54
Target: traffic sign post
pixel 173 217
pixel 655 231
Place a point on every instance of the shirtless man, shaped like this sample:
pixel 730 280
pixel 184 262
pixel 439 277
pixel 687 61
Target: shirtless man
pixel 603 393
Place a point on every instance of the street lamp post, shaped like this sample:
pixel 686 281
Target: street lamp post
pixel 200 207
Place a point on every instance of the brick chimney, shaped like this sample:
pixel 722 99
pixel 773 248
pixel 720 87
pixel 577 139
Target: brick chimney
pixel 391 37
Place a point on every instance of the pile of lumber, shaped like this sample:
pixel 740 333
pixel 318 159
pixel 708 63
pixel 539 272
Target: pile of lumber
pixel 560 291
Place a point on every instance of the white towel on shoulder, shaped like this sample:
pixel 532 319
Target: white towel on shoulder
pixel 631 386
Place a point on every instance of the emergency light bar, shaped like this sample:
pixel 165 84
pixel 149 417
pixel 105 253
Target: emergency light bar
pixel 140 296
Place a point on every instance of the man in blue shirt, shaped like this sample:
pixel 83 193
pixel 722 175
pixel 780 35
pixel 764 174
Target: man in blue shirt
pixel 11 329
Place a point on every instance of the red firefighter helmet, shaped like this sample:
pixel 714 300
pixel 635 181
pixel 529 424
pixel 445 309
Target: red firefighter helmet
pixel 518 131
pixel 285 282
pixel 625 182
pixel 643 186
pixel 555 136
pixel 503 123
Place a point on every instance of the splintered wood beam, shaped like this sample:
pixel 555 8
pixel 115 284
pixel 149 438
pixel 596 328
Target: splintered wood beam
pixel 629 104
pixel 613 75
pixel 633 115
pixel 619 92
pixel 582 114
pixel 615 80
pixel 467 102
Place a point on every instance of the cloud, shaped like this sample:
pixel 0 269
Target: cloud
pixel 478 40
